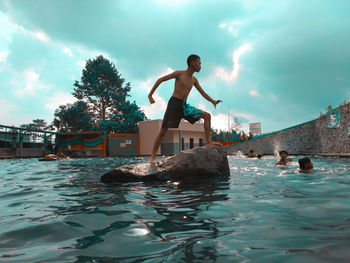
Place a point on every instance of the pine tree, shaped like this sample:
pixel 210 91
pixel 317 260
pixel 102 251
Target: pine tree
pixel 102 102
pixel 101 87
pixel 73 118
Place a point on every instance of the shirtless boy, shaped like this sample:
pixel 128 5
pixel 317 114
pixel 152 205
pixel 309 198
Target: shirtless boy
pixel 252 154
pixel 177 107
pixel 284 158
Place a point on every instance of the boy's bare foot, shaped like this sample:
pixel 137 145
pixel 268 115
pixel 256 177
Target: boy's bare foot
pixel 212 144
pixel 151 160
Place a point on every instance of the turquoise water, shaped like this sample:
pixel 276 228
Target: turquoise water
pixel 61 212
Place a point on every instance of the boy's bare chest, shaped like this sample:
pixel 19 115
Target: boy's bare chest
pixel 184 83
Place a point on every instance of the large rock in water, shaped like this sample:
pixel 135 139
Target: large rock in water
pixel 187 165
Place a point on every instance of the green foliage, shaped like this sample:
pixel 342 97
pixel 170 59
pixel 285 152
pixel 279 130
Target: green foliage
pixel 127 116
pixel 101 86
pixel 227 136
pixel 38 124
pixel 102 102
pixel 73 117
pixel 233 136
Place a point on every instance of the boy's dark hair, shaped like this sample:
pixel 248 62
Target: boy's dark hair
pixel 303 161
pixel 251 151
pixel 283 151
pixel 192 57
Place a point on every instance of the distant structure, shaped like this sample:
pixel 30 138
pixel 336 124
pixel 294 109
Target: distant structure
pixel 255 128
pixel 185 137
pixel 329 135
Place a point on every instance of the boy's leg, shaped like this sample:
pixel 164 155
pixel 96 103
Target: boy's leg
pixel 207 128
pixel 159 138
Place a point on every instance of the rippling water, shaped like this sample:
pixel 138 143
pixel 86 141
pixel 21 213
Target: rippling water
pixel 61 212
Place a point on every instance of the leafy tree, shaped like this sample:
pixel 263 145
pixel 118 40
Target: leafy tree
pixel 102 102
pixel 38 124
pixel 126 117
pixel 101 87
pixel 73 117
pixel 227 136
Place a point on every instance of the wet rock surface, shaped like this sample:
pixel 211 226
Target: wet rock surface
pixel 200 162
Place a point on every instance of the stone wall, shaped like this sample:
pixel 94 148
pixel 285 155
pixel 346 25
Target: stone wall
pixel 313 137
pixel 22 153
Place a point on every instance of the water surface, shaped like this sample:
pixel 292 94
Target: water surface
pixel 61 212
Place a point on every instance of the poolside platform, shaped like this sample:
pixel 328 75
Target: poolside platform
pixel 334 154
pixel 7 157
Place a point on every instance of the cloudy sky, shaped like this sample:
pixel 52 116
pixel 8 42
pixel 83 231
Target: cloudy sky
pixel 278 62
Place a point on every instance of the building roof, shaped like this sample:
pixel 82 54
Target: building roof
pixel 184 125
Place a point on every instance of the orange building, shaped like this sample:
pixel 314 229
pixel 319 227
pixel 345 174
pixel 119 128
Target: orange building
pixel 83 144
pixel 185 137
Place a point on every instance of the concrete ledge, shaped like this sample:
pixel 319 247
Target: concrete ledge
pixel 313 137
pixel 334 154
pixel 312 154
pixel 7 157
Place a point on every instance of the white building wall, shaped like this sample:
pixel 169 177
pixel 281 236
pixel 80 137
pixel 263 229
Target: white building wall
pixel 149 130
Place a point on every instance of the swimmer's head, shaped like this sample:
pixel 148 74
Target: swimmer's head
pixel 283 154
pixel 194 61
pixel 305 163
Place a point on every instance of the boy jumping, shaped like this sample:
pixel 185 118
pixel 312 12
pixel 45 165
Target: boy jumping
pixel 177 107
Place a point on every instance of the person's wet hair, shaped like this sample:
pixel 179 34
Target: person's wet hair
pixel 251 151
pixel 192 57
pixel 303 161
pixel 283 151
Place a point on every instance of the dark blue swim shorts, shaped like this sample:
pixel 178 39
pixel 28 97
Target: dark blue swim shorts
pixel 178 109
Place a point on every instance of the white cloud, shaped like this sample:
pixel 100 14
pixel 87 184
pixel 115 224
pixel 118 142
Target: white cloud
pixel 232 26
pixel 41 36
pixel 5 109
pixel 172 3
pixel 9 117
pixel 3 56
pixel 253 93
pixel 156 109
pixel 231 76
pixel 18 27
pixel 9 114
pixel 59 98
pixel 165 72
pixel 273 97
pixel 36 34
pixel 27 83
pixel 81 63
pixel 221 120
pixel 67 51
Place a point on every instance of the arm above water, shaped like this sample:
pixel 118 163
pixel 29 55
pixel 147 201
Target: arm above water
pixel 204 94
pixel 159 81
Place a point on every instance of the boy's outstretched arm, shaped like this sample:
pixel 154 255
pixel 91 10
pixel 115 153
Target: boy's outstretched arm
pixel 158 82
pixel 204 94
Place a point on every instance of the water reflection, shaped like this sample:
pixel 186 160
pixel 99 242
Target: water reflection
pixel 150 221
pixel 262 213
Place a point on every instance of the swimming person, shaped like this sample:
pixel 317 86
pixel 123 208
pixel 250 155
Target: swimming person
pixel 284 158
pixel 305 165
pixel 252 154
pixel 58 156
pixel 177 107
